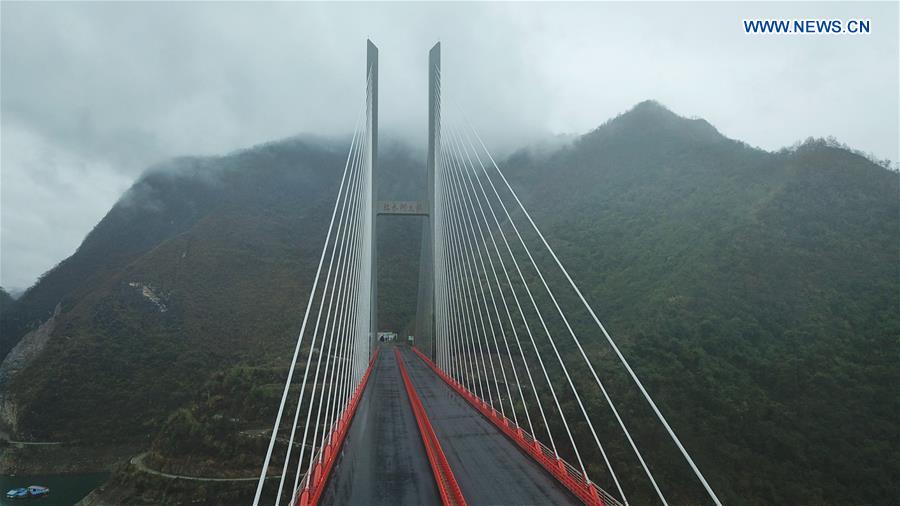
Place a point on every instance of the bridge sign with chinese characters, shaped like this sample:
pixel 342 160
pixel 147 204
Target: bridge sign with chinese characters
pixel 402 207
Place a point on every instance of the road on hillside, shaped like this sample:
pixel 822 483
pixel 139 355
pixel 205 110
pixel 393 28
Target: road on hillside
pixel 138 462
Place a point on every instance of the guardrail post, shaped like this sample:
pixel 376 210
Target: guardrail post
pixel 304 497
pixel 594 493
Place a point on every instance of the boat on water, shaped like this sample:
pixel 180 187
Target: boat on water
pixel 17 493
pixel 29 492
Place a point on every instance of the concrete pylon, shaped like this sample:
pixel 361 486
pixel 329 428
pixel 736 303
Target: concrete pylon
pixel 372 124
pixel 425 323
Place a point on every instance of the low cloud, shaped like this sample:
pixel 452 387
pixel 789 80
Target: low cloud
pixel 93 93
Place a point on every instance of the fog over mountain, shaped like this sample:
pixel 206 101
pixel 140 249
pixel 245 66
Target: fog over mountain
pixel 92 93
pixel 754 292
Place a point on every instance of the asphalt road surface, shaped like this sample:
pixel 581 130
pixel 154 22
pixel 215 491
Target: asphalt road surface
pixel 489 468
pixel 383 460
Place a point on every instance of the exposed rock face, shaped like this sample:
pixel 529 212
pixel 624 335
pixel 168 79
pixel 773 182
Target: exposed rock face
pixel 149 294
pixel 28 349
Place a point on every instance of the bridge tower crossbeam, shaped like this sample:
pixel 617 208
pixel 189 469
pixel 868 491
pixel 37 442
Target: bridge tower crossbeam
pixel 425 300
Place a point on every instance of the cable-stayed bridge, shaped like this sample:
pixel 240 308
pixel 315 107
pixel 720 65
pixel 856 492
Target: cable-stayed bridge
pixel 499 401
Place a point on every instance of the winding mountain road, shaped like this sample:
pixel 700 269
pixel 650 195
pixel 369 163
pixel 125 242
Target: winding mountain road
pixel 138 462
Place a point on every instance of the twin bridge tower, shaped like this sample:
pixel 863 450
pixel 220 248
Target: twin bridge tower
pixel 425 322
pixel 493 331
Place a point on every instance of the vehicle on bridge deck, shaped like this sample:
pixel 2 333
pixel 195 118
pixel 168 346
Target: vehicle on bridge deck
pixel 387 336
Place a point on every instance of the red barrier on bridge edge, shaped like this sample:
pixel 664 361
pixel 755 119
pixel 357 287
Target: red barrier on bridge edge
pixel 564 472
pixel 443 475
pixel 311 490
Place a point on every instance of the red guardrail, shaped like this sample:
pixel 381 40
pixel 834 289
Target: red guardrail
pixel 312 486
pixel 565 473
pixel 443 475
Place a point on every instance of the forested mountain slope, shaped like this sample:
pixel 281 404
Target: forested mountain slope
pixel 203 264
pixel 755 293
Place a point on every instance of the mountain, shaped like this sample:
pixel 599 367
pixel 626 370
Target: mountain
pixel 6 300
pixel 754 292
pixel 6 306
pixel 7 341
pixel 202 264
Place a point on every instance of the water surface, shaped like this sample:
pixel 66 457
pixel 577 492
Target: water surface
pixel 65 489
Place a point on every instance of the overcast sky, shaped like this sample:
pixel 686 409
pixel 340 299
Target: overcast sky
pixel 94 93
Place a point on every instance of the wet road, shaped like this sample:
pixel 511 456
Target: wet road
pixel 383 460
pixel 489 468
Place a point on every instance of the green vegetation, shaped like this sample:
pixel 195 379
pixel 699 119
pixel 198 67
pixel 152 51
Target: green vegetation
pixel 755 293
pixel 222 433
pixel 6 299
pixel 6 306
pixel 131 486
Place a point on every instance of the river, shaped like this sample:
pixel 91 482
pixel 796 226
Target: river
pixel 65 489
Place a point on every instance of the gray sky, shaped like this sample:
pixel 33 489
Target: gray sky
pixel 93 93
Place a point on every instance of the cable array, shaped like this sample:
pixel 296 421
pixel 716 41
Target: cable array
pixel 337 355
pixel 510 327
pixel 499 319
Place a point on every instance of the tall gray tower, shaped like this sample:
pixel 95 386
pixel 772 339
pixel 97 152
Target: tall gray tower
pixel 424 325
pixel 372 119
pixel 425 329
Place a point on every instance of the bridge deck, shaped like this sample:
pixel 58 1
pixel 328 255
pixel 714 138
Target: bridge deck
pixel 382 461
pixel 490 468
